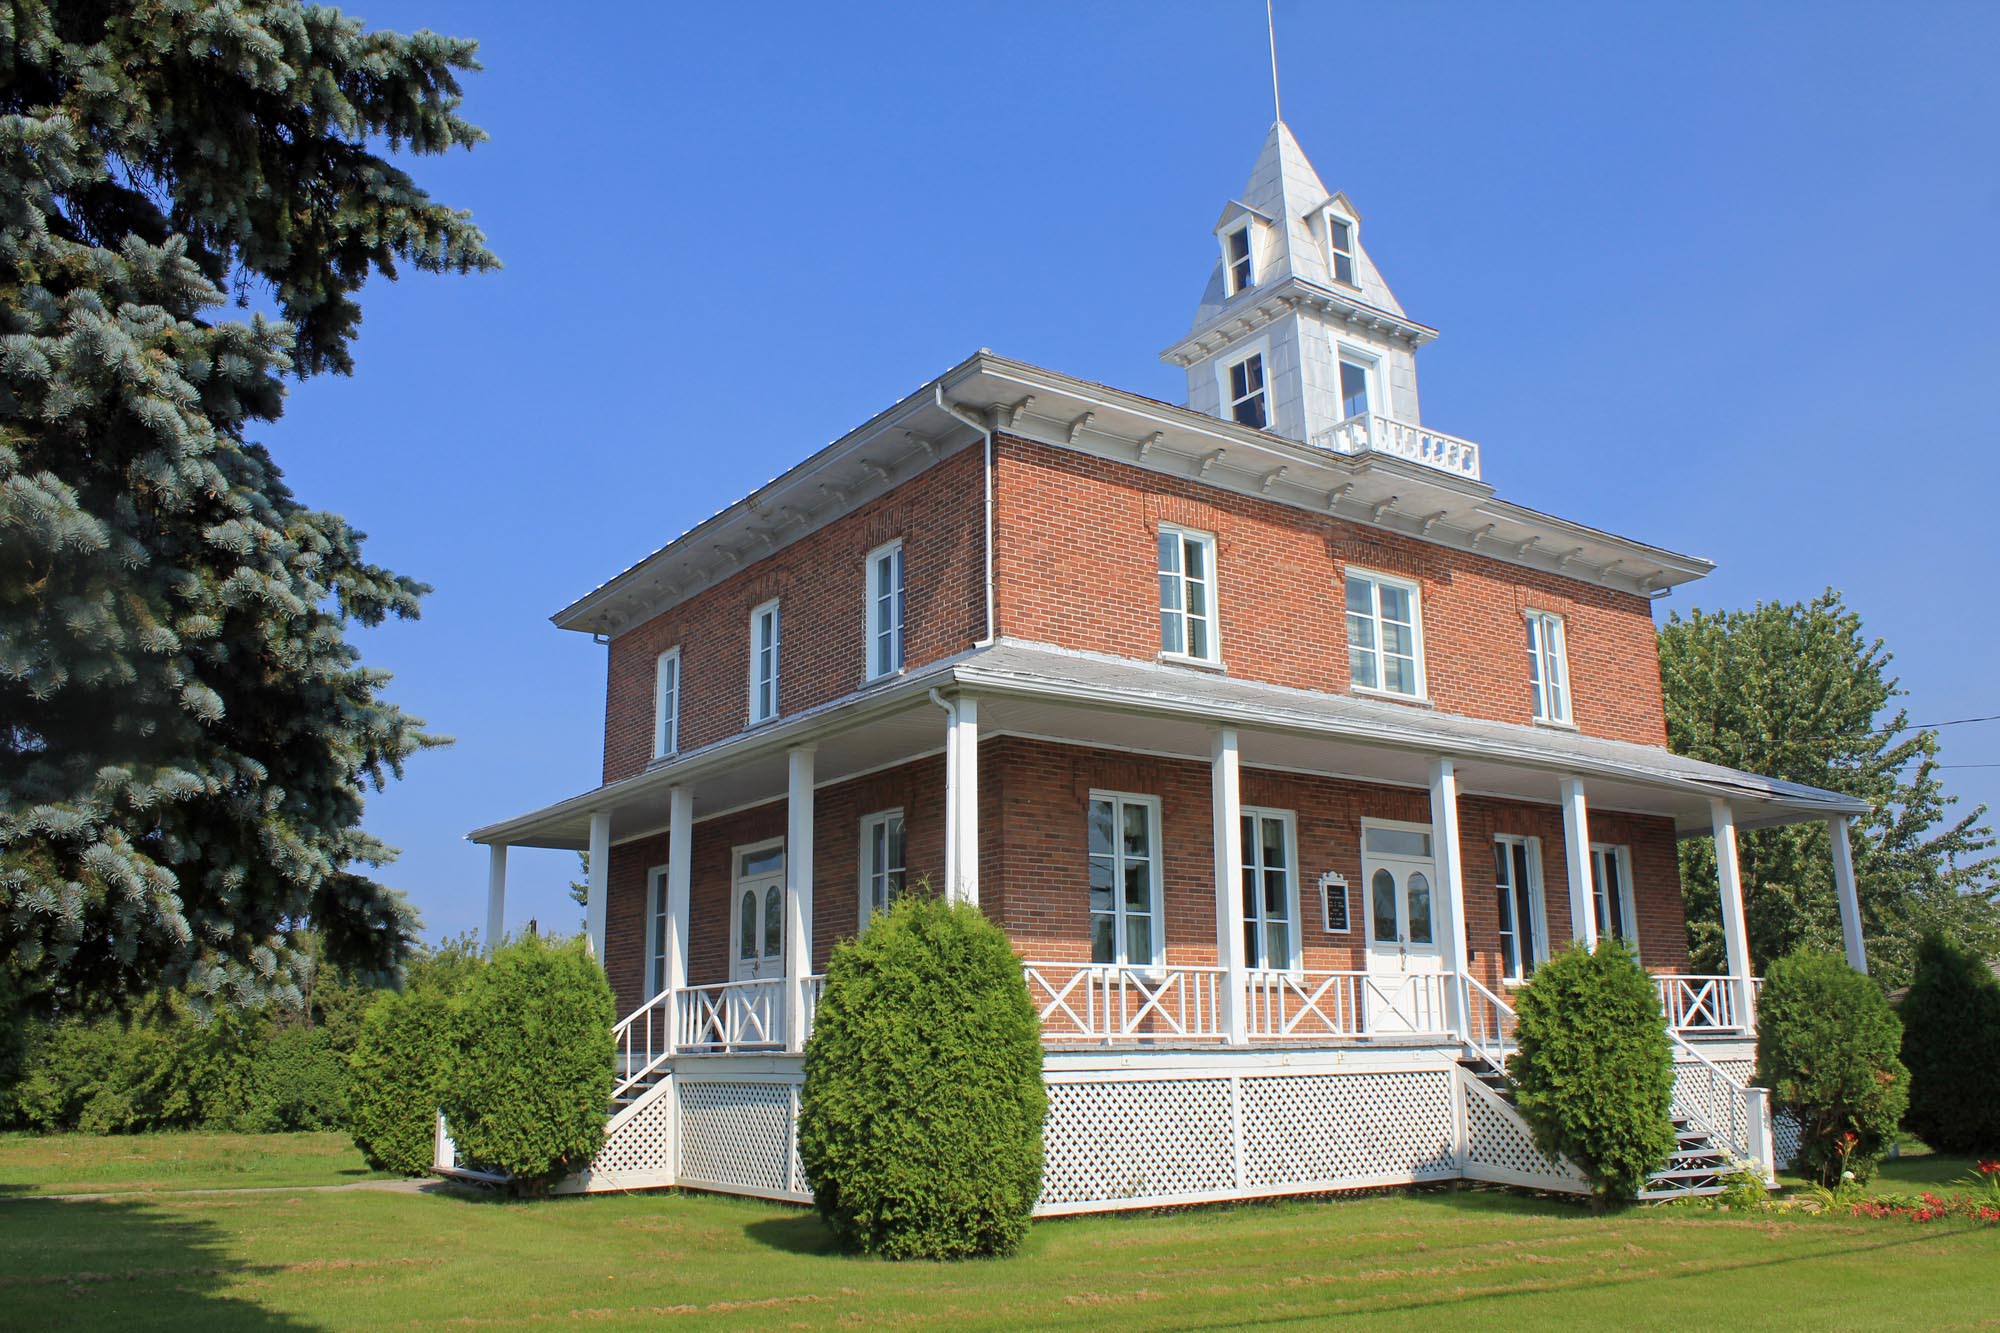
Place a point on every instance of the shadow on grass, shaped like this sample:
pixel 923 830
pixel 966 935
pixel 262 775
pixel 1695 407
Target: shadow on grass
pixel 120 1264
pixel 794 1233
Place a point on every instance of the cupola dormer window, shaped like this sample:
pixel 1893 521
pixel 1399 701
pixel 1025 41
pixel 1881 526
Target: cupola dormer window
pixel 1340 248
pixel 1242 271
pixel 1247 402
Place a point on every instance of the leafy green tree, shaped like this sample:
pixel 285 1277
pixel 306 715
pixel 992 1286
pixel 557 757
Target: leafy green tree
pixel 403 1058
pixel 185 729
pixel 1594 1070
pixel 1800 692
pixel 1827 1047
pixel 1951 1043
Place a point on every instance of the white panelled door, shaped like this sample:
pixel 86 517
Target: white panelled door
pixel 757 932
pixel 1405 959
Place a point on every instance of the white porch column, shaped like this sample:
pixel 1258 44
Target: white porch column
pixel 496 894
pixel 1225 783
pixel 1850 900
pixel 594 915
pixel 962 802
pixel 1451 871
pixel 1735 932
pixel 798 893
pixel 1576 851
pixel 680 861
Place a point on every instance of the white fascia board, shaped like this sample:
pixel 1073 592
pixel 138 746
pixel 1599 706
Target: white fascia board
pixel 1189 348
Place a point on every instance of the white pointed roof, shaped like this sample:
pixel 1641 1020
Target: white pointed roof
pixel 1285 191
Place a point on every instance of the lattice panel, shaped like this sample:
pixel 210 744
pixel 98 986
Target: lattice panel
pixel 1784 1138
pixel 1310 1129
pixel 1139 1138
pixel 1496 1141
pixel 737 1135
pixel 642 1145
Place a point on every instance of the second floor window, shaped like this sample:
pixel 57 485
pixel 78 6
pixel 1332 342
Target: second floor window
pixel 667 704
pixel 764 663
pixel 1548 667
pixel 1242 275
pixel 1384 634
pixel 1247 404
pixel 885 611
pixel 1187 594
pixel 1340 248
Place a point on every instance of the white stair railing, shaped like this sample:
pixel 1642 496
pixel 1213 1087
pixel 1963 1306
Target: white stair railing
pixel 1732 1114
pixel 639 1044
pixel 1489 1024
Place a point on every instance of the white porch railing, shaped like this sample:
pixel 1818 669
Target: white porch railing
pixel 640 1043
pixel 1371 433
pixel 1705 1004
pixel 1306 1004
pixel 1736 1117
pixel 1113 1002
pixel 1489 1024
pixel 732 1016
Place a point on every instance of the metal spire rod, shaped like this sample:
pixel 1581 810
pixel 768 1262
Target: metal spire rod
pixel 1271 28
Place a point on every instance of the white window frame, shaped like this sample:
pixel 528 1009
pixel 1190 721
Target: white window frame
pixel 1621 855
pixel 1415 590
pixel 1249 260
pixel 667 704
pixel 1538 910
pixel 1258 920
pixel 1208 584
pixel 1370 365
pixel 1352 252
pixel 656 944
pixel 1227 362
pixel 869 870
pixel 757 614
pixel 1154 908
pixel 1548 660
pixel 874 612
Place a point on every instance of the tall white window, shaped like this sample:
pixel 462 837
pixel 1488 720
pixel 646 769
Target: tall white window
pixel 1248 401
pixel 885 610
pixel 1125 879
pixel 1517 881
pixel 882 867
pixel 1340 248
pixel 1548 667
pixel 656 931
pixel 1385 636
pixel 1356 373
pixel 1242 273
pixel 764 641
pixel 1611 886
pixel 1187 594
pixel 1270 889
pixel 667 703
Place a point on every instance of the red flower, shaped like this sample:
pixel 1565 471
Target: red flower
pixel 1989 1168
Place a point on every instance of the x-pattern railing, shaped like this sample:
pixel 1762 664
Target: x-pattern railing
pixel 733 1016
pixel 1110 1001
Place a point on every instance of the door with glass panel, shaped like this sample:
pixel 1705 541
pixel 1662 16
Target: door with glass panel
pixel 1404 923
pixel 756 1014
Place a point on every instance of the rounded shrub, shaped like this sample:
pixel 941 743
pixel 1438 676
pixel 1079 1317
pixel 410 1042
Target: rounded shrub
pixel 1594 1072
pixel 1951 1045
pixel 1827 1049
pixel 920 1126
pixel 298 1081
pixel 528 1089
pixel 399 1068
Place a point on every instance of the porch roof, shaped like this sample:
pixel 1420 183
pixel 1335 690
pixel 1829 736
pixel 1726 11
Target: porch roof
pixel 1040 691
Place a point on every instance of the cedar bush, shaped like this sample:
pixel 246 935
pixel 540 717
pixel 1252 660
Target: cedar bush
pixel 528 1087
pixel 920 1125
pixel 401 1061
pixel 1826 1048
pixel 1594 1072
pixel 1951 1045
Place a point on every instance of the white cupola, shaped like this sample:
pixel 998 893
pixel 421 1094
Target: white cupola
pixel 1297 333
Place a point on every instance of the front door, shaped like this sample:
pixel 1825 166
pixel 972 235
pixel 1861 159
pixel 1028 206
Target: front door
pixel 1405 963
pixel 756 1014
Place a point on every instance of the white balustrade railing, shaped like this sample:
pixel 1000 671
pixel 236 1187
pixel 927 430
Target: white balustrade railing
pixel 1704 1004
pixel 639 1043
pixel 1306 1004
pixel 731 1016
pixel 1112 1002
pixel 1372 433
pixel 1489 1024
pixel 1732 1113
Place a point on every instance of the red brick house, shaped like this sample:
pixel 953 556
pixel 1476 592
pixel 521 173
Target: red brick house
pixel 1277 741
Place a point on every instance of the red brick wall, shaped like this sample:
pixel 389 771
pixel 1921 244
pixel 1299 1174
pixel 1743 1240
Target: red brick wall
pixel 820 583
pixel 1075 564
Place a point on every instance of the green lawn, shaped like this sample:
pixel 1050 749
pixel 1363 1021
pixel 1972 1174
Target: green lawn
pixel 117 1164
pixel 369 1259
pixel 1916 1170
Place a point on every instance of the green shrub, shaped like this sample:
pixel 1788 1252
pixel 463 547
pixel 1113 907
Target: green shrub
pixel 400 1062
pixel 920 1126
pixel 529 1084
pixel 1951 1044
pixel 1826 1048
pixel 1594 1074
pixel 298 1081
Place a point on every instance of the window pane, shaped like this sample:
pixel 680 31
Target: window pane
pixel 1274 842
pixel 1399 674
pixel 1361 667
pixel 1197 638
pixel 1138 830
pixel 1343 269
pixel 1170 633
pixel 1170 554
pixel 1101 877
pixel 1239 244
pixel 1360 596
pixel 774 922
pixel 1138 939
pixel 1277 905
pixel 1196 552
pixel 1420 908
pixel 1250 412
pixel 1138 887
pixel 1278 944
pixel 746 930
pixel 1342 237
pixel 1399 842
pixel 1395 604
pixel 1382 890
pixel 1103 940
pixel 1353 389
pixel 1100 828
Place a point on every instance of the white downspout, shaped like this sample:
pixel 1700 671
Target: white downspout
pixel 985 428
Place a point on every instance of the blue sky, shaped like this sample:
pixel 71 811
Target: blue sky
pixel 1717 278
